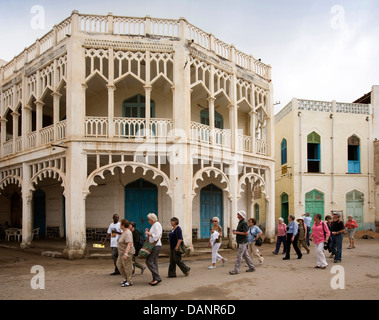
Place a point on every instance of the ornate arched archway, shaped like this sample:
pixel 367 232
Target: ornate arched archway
pixel 217 172
pixel 253 178
pixel 122 165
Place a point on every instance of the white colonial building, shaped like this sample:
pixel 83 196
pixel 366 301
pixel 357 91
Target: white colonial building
pixel 108 114
pixel 325 160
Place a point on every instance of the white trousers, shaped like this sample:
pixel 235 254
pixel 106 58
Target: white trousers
pixel 215 255
pixel 320 256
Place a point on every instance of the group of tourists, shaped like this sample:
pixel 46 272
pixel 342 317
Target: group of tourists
pixel 325 236
pixel 126 242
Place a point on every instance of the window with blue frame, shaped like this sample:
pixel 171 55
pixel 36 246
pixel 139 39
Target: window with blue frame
pixel 353 155
pixel 283 149
pixel 314 152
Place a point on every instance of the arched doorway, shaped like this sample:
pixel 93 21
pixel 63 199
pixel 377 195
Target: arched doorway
pixel 211 205
pixel 39 211
pixel 16 210
pixel 354 207
pixel 314 203
pixel 284 203
pixel 256 212
pixel 141 198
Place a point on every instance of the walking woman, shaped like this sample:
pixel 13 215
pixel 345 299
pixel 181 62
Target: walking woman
pixel 154 235
pixel 176 238
pixel 282 231
pixel 125 253
pixel 320 235
pixel 253 234
pixel 303 231
pixel 292 236
pixel 216 243
pixel 350 226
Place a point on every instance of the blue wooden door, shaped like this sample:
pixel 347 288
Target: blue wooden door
pixel 210 206
pixel 141 198
pixel 39 206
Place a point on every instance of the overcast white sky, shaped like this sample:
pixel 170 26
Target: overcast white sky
pixel 322 49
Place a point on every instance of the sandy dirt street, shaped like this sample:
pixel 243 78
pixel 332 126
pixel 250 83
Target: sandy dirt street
pixel 276 279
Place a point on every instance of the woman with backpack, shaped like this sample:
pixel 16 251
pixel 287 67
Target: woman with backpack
pixel 320 235
pixel 253 235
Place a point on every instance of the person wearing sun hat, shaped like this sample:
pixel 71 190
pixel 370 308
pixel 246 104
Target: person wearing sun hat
pixel 242 242
pixel 302 234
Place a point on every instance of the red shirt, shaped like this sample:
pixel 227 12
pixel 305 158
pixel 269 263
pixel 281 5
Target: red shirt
pixel 351 224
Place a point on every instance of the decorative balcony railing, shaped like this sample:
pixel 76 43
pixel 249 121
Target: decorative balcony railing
pixel 96 127
pixel 129 127
pixel 46 136
pixel 133 26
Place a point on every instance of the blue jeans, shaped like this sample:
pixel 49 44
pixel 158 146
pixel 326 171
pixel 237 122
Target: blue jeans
pixel 279 241
pixel 336 246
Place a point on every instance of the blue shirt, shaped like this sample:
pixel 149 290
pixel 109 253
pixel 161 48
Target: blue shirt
pixel 293 228
pixel 307 221
pixel 253 233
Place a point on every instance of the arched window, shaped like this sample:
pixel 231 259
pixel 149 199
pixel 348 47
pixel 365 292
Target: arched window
pixel 134 107
pixel 204 119
pixel 314 152
pixel 353 154
pixel 283 149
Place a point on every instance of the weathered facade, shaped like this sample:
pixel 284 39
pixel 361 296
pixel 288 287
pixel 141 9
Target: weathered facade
pixel 324 160
pixel 109 114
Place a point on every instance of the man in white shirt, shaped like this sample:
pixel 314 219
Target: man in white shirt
pixel 307 222
pixel 114 231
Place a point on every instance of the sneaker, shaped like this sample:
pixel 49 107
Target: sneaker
pixel 212 267
pixel 261 262
pixel 233 272
pixel 223 264
pixel 337 261
pixel 250 270
pixel 127 284
pixel 275 253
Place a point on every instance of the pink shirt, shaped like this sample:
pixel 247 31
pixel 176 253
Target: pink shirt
pixel 282 229
pixel 318 232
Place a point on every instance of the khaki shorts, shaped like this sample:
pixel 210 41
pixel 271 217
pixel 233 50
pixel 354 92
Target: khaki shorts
pixel 350 233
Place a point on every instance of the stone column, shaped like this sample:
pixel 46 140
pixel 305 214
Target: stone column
pixel 233 176
pixel 270 203
pixel 56 110
pixel 76 174
pixel 39 119
pixel 180 161
pixel 3 123
pixel 111 90
pixel 27 212
pixel 147 111
pixel 15 116
pixel 76 161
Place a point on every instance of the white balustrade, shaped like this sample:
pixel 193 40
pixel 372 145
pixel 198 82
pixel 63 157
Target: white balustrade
pixel 355 108
pixel 129 127
pixel 47 134
pixel 96 127
pixel 32 139
pixel 223 137
pixel 261 147
pixel 19 144
pixel 61 130
pixel 246 143
pixel 161 128
pixel 200 132
pixel 8 147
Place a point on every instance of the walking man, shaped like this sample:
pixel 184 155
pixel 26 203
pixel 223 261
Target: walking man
pixel 337 229
pixel 242 242
pixel 114 231
pixel 307 222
